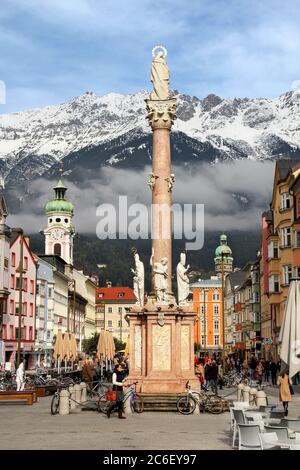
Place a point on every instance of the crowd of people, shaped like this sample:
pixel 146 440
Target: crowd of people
pixel 211 371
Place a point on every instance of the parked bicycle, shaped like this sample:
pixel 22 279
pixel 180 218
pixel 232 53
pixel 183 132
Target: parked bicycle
pixel 207 402
pixel 136 400
pixel 56 399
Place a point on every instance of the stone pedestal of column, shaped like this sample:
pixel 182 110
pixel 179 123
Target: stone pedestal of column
pixel 162 349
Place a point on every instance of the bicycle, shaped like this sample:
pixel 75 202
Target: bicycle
pixel 186 404
pixel 136 401
pixel 97 390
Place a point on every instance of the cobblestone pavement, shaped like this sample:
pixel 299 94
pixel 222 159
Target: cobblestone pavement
pixel 33 427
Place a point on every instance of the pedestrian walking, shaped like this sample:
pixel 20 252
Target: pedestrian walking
pixel 88 372
pixel 267 370
pixel 20 375
pixel 273 370
pixel 220 375
pixel 259 370
pixel 252 367
pixel 285 390
pixel 213 377
pixel 118 384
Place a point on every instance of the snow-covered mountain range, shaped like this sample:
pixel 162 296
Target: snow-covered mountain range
pixel 92 131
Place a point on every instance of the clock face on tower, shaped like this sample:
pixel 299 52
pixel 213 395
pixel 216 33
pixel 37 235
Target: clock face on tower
pixel 57 234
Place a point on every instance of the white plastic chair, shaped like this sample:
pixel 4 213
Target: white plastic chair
pixel 239 418
pixel 249 437
pixel 281 432
pixel 292 424
pixel 269 440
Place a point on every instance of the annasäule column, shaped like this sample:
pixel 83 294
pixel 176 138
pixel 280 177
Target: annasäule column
pixel 161 115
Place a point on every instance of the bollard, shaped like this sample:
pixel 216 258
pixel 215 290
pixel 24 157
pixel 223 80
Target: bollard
pixel 83 392
pixel 64 405
pixel 246 393
pixel 72 397
pixel 252 396
pixel 127 407
pixel 77 390
pixel 240 389
pixel 261 398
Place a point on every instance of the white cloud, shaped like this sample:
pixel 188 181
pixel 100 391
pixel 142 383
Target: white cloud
pixel 212 185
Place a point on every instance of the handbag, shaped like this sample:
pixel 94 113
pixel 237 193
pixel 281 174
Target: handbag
pixel 291 390
pixel 111 395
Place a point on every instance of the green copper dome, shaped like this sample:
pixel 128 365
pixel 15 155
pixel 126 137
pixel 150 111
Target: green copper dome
pixel 223 247
pixel 59 204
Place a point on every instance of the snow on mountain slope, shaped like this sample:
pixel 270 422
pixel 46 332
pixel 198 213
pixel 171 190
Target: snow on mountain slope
pixel 35 140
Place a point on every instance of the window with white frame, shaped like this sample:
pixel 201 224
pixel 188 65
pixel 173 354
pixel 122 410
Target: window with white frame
pixel 216 325
pixel 203 309
pixel 286 237
pixel 216 296
pixel 255 297
pixel 285 201
pixel 202 339
pixel 216 309
pixel 216 340
pixel 274 283
pixel 109 323
pixel 109 309
pixel 297 271
pixel 120 309
pixel 286 273
pixel 203 296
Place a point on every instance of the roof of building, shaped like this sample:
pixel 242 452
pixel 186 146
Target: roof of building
pixel 116 294
pixel 285 166
pixel 237 278
pixel 206 283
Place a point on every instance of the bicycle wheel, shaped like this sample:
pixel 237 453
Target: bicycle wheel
pixel 55 404
pixel 214 405
pixel 137 404
pixel 186 405
pixel 103 404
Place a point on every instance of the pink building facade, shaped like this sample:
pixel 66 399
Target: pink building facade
pixel 10 322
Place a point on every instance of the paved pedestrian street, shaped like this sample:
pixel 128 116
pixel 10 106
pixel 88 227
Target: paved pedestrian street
pixel 33 427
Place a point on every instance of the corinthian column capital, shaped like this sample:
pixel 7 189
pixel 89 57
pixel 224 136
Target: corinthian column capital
pixel 161 113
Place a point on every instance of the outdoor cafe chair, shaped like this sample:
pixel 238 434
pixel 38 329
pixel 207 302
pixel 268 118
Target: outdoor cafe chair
pixel 239 418
pixel 249 437
pixel 292 424
pixel 281 432
pixel 255 418
pixel 270 441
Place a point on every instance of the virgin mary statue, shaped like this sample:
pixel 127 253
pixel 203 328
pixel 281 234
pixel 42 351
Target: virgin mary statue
pixel 160 77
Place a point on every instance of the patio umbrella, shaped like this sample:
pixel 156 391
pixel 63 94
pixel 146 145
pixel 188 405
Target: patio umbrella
pixel 67 347
pixel 58 347
pixel 58 352
pixel 289 336
pixel 73 348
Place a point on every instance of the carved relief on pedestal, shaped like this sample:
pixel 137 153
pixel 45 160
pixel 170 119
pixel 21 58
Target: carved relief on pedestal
pixel 161 113
pixel 138 347
pixel 161 347
pixel 185 347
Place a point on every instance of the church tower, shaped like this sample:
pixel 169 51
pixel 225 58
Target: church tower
pixel 60 232
pixel 223 257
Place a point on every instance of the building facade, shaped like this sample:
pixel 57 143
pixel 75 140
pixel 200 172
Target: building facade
pixel 207 302
pixel 4 270
pixel 27 309
pixel 111 308
pixel 280 251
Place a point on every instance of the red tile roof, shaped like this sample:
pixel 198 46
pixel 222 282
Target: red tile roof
pixel 114 294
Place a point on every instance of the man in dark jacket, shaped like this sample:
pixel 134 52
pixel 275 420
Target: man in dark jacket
pixel 273 370
pixel 213 377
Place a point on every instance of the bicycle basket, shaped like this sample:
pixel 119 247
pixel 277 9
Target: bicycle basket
pixel 111 395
